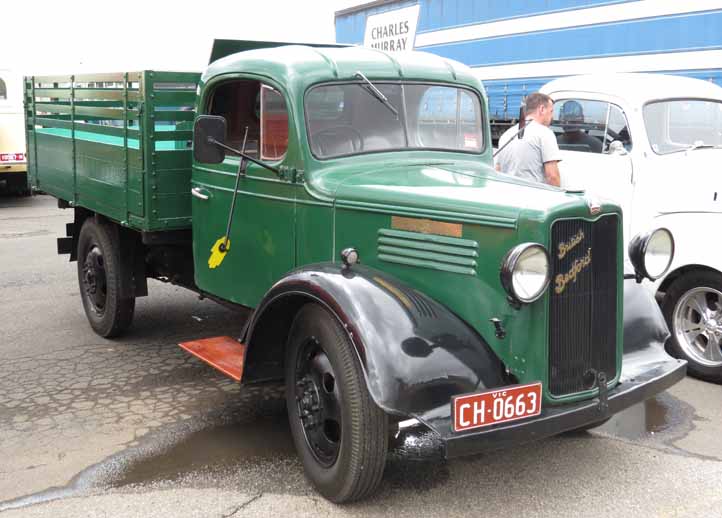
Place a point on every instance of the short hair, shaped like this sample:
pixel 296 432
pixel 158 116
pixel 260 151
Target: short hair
pixel 535 100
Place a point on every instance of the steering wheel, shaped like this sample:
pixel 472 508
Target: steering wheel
pixel 611 136
pixel 335 135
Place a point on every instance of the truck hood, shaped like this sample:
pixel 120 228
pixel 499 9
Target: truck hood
pixel 453 189
pixel 687 182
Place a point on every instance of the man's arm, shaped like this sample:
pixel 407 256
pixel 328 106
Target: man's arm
pixel 551 156
pixel 551 173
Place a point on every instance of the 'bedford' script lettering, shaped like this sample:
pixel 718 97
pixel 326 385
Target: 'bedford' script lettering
pixel 578 266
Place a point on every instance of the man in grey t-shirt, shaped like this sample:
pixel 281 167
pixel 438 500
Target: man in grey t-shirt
pixel 533 154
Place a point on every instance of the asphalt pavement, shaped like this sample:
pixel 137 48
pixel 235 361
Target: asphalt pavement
pixel 136 427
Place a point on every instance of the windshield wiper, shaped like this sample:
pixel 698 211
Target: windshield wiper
pixel 375 92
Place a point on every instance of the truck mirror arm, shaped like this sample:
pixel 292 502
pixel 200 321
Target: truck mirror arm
pixel 522 125
pixel 211 140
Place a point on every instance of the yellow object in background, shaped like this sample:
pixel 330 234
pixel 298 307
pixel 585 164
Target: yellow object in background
pixel 217 255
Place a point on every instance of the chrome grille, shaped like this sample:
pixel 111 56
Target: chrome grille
pixel 583 304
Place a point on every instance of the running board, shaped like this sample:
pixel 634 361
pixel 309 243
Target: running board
pixel 220 352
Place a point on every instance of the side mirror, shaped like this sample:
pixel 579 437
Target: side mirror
pixel 209 128
pixel 616 148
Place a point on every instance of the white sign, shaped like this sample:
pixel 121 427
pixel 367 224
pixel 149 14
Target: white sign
pixel 393 31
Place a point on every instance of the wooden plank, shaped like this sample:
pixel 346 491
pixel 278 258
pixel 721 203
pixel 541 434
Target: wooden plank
pixel 176 77
pixel 108 113
pixel 57 93
pixel 47 80
pixel 174 97
pixel 52 108
pixel 174 115
pixel 114 94
pixel 114 77
pixel 115 131
pixel 221 352
pixel 98 103
pixel 54 123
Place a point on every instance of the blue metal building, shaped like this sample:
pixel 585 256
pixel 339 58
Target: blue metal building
pixel 517 46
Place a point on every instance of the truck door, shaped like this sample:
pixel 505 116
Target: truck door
pixel 261 247
pixel 595 142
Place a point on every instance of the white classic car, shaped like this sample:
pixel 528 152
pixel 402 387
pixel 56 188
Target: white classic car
pixel 653 143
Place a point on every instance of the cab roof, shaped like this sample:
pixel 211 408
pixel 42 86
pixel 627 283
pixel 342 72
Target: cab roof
pixel 637 88
pixel 300 66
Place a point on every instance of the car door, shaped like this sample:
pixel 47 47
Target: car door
pixel 595 144
pixel 261 240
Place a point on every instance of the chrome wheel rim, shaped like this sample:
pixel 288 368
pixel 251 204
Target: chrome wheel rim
pixel 697 324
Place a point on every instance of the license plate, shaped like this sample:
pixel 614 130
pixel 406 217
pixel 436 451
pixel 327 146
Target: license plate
pixel 12 157
pixel 497 406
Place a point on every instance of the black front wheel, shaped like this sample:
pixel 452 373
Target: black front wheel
pixel 100 277
pixel 341 436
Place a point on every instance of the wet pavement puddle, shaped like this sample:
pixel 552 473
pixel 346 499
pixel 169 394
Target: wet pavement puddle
pixel 214 449
pixel 657 415
pixel 256 453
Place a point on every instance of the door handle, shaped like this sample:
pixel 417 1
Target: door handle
pixel 199 193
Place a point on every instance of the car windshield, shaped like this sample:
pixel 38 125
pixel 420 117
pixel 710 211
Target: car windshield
pixel 364 117
pixel 681 124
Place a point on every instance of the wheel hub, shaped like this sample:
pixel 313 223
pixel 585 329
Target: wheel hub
pixel 697 321
pixel 308 403
pixel 94 280
pixel 319 404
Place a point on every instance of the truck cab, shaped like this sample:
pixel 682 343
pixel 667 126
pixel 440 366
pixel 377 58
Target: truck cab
pixel 659 139
pixel 348 198
pixel 13 164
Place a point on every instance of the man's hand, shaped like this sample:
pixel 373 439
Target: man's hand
pixel 551 173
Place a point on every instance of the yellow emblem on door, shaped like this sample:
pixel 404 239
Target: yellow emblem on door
pixel 217 255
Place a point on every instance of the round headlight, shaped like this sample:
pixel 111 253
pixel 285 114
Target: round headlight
pixel 652 253
pixel 525 272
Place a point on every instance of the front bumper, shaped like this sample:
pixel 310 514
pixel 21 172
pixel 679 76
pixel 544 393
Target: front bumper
pixel 643 376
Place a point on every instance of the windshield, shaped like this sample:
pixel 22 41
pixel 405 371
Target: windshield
pixel 352 118
pixel 679 124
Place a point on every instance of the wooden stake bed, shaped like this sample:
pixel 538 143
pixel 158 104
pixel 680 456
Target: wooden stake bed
pixel 220 352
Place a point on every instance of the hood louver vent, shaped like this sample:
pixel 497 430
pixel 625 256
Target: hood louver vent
pixel 434 252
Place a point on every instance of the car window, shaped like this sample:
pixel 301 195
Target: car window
pixel 258 108
pixel 274 124
pixel 680 124
pixel 447 115
pixel 348 119
pixel 589 126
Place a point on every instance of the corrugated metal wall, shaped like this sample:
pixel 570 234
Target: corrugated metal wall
pixel 519 45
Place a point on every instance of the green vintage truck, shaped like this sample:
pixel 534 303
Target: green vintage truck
pixel 347 196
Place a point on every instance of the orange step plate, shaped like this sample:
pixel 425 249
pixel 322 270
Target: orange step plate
pixel 220 352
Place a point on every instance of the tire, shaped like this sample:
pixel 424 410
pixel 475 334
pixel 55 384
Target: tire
pixel 342 438
pixel 694 302
pixel 100 277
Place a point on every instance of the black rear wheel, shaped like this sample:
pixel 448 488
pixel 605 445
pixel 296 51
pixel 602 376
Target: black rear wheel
pixel 100 277
pixel 340 434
